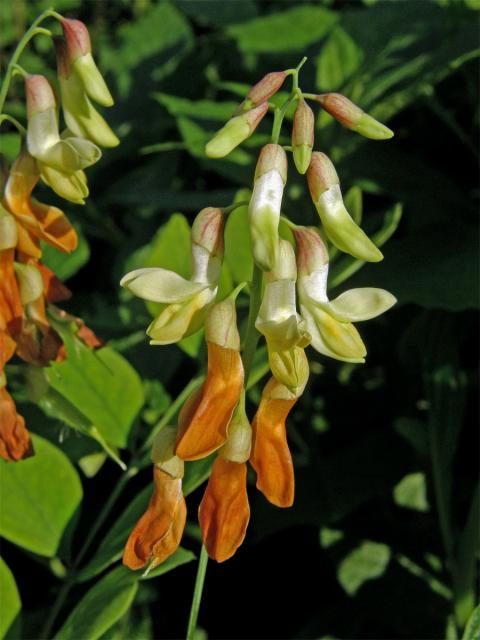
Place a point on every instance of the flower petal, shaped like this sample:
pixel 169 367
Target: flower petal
pixel 360 304
pixel 15 442
pixel 224 511
pixel 160 285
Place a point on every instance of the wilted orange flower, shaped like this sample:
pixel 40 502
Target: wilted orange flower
pixel 224 511
pixel 15 442
pixel 158 532
pixel 203 422
pixel 270 455
pixel 11 310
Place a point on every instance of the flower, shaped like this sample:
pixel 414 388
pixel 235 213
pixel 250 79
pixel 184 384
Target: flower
pixel 158 532
pixel 330 322
pixel 15 442
pixel 81 117
pixel 235 131
pixel 270 456
pixel 61 159
pixel 352 117
pixel 265 204
pixel 224 511
pixel 263 90
pixel 303 136
pixel 284 329
pixel 340 228
pixel 188 300
pixel 204 418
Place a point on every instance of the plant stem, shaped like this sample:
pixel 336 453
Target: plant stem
pixel 197 593
pixel 279 113
pixel 32 31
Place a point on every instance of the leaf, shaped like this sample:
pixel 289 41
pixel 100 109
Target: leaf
pixel 212 12
pixel 104 604
pixel 199 109
pixel 290 30
pixel 65 265
pixel 238 253
pixel 181 556
pixel 39 496
pixel 472 630
pixel 366 562
pixel 337 61
pixel 411 492
pixel 465 575
pixel 111 547
pixel 101 384
pixel 9 597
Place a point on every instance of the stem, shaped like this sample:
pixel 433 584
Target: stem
pixel 5 117
pixel 32 31
pixel 197 593
pixel 235 205
pixel 279 114
pixel 69 582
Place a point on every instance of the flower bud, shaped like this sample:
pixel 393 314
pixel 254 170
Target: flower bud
pixel 221 325
pixel 303 136
pixel 352 117
pixel 312 254
pixel 263 90
pixel 265 205
pixel 207 245
pixel 236 130
pixel 239 442
pixel 341 229
pixel 163 455
pixel 30 282
pixel 79 52
pixel 8 230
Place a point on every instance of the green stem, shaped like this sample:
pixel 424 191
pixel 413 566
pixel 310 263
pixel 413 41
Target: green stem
pixel 32 31
pixel 279 113
pixel 197 593
pixel 4 117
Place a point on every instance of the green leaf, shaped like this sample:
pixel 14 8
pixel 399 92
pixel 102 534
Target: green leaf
pixel 366 562
pixel 290 30
pixel 339 58
pixel 111 547
pixel 65 265
pixel 465 575
pixel 411 492
pixel 199 109
pixel 104 604
pixel 101 384
pixel 39 496
pixel 472 630
pixel 181 556
pixel 238 252
pixel 9 597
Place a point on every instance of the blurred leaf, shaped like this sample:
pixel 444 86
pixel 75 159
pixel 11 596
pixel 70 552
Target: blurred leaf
pixel 65 265
pixel 338 59
pixel 328 537
pixel 472 630
pixel 201 109
pixel 415 432
pixel 100 607
pixel 366 562
pixel 216 13
pixel 464 585
pixel 353 200
pixel 238 254
pixel 290 30
pixel 136 624
pixel 411 492
pixel 39 497
pixel 9 597
pixel 101 384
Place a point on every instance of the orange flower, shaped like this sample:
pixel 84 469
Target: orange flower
pixel 270 455
pixel 224 511
pixel 203 422
pixel 43 221
pixel 15 442
pixel 158 532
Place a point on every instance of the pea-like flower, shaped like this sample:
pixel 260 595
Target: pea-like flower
pixel 352 117
pixel 205 417
pixel 330 322
pixel 235 131
pixel 340 228
pixel 158 532
pixel 270 456
pixel 284 329
pixel 188 300
pixel 61 159
pixel 265 205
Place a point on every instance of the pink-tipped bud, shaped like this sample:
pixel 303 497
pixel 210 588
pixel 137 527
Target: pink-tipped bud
pixel 311 251
pixel 63 63
pixel 266 87
pixel 272 156
pixel 352 117
pixel 235 131
pixel 40 96
pixel 303 136
pixel 321 175
pixel 207 230
pixel 77 38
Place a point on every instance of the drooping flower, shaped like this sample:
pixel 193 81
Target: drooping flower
pixel 157 534
pixel 235 131
pixel 284 329
pixel 188 300
pixel 270 456
pixel 265 204
pixel 15 441
pixel 352 117
pixel 81 117
pixel 61 159
pixel 340 228
pixel 263 90
pixel 330 322
pixel 204 419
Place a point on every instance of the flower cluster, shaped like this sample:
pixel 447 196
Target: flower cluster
pixel 28 287
pixel 294 313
